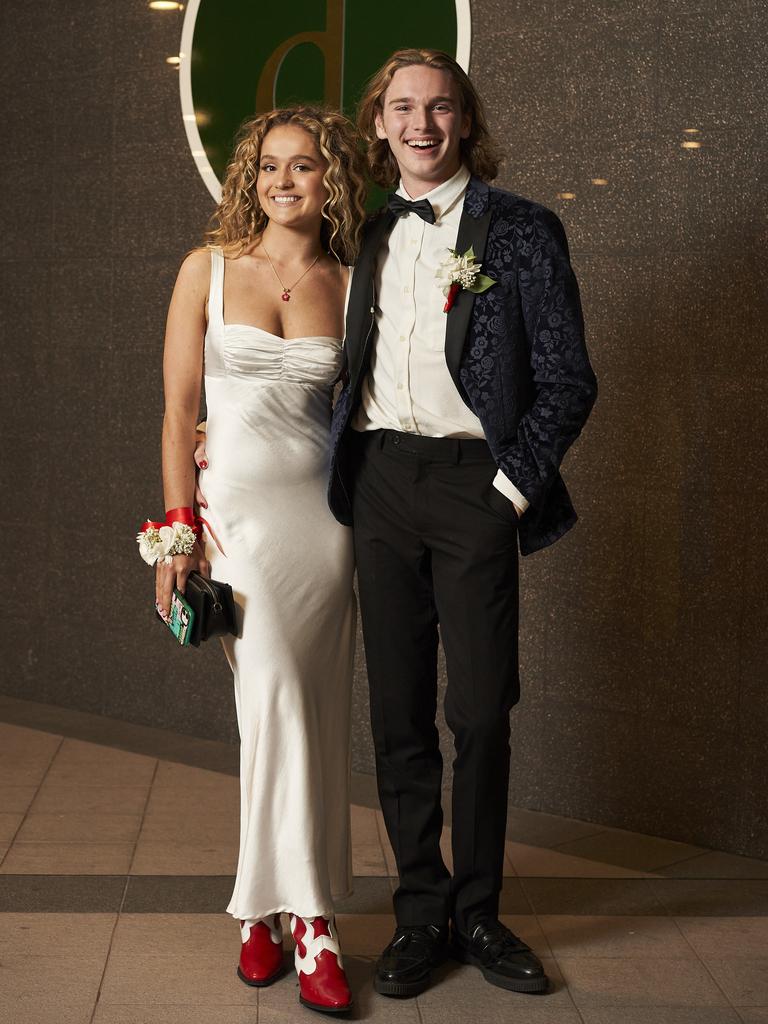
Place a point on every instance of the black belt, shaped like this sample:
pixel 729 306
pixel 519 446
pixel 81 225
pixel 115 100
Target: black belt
pixel 437 449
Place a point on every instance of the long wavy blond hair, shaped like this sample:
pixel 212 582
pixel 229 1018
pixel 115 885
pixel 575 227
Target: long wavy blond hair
pixel 479 152
pixel 239 220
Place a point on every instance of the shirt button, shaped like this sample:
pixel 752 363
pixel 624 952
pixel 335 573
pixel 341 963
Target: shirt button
pixel 407 290
pixel 402 337
pixel 399 387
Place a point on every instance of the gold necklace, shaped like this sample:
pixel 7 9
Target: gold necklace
pixel 287 291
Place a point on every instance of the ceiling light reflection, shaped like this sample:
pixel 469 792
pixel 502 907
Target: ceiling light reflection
pixel 165 5
pixel 599 181
pixel 566 195
pixel 690 144
pixel 173 60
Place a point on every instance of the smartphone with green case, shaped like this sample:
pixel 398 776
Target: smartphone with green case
pixel 181 619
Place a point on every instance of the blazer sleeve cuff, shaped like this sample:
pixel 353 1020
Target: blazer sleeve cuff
pixel 504 484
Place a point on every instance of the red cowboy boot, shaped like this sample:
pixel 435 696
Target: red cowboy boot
pixel 261 957
pixel 323 984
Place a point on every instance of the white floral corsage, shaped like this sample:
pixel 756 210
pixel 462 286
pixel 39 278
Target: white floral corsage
pixel 160 542
pixel 457 272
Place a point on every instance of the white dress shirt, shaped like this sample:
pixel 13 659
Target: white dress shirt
pixel 408 386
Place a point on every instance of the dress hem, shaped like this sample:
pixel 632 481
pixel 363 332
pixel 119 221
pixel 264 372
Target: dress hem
pixel 287 910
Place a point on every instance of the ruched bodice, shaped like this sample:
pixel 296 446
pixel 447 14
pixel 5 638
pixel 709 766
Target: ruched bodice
pixel 244 351
pixel 290 565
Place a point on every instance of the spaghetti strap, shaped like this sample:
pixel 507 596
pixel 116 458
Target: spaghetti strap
pixel 216 291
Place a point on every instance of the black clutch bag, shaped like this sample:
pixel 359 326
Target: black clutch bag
pixel 212 608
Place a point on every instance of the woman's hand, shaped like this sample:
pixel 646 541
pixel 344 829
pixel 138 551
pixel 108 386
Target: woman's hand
pixel 173 575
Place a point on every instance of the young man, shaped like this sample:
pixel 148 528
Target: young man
pixel 447 440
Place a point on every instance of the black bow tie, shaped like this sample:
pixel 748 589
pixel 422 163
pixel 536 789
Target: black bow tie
pixel 421 207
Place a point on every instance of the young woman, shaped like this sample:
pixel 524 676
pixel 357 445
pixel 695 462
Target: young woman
pixel 258 316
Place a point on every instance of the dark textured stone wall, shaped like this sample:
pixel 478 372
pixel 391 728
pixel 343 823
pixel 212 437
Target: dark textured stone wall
pixel 643 632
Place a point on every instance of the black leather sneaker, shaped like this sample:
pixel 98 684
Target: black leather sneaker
pixel 405 966
pixel 504 959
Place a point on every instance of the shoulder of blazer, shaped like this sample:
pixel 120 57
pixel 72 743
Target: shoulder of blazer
pixel 504 202
pixel 512 214
pixel 502 199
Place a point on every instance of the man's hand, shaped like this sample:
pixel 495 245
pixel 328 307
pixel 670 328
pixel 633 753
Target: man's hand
pixel 201 461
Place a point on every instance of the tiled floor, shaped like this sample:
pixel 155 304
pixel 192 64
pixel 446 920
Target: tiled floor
pixel 115 867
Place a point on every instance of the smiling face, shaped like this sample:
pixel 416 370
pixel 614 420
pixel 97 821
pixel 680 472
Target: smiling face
pixel 423 122
pixel 290 180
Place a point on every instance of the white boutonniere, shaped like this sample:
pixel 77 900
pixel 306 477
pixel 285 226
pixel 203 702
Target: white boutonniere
pixel 461 271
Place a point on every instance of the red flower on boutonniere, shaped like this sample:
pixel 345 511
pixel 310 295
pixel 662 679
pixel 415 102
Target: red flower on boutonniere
pixel 457 272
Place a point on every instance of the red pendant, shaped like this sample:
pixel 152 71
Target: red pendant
pixel 286 295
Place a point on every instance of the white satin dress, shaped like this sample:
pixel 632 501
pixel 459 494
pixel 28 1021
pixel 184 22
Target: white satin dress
pixel 290 564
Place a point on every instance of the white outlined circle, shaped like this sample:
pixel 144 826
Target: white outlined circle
pixel 207 173
pixel 197 149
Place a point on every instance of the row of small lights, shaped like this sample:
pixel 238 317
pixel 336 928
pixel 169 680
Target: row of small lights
pixel 690 143
pixel 572 195
pixel 685 144
pixel 168 5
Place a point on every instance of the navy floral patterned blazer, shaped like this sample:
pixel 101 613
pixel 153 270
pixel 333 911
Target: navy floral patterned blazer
pixel 516 353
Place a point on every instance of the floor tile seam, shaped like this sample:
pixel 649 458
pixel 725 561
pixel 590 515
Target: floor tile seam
pixel 526 896
pixel 598 861
pixel 628 956
pixel 685 860
pixel 636 876
pixel 617 830
pixel 668 959
pixel 74 842
pixel 108 953
pixel 553 956
pixel 658 896
pixel 143 818
pixel 565 842
pixel 31 802
pixel 688 942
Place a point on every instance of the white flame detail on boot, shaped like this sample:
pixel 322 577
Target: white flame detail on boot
pixel 273 923
pixel 314 944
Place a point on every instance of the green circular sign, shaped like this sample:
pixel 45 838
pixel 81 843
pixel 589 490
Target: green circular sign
pixel 239 57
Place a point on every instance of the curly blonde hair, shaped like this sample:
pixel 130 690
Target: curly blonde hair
pixel 479 152
pixel 239 220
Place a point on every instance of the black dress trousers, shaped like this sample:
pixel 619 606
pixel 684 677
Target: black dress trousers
pixel 436 544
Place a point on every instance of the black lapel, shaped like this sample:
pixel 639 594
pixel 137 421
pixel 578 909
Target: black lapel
pixel 361 293
pixel 473 231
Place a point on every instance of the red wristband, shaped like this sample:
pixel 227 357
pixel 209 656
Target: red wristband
pixel 186 516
